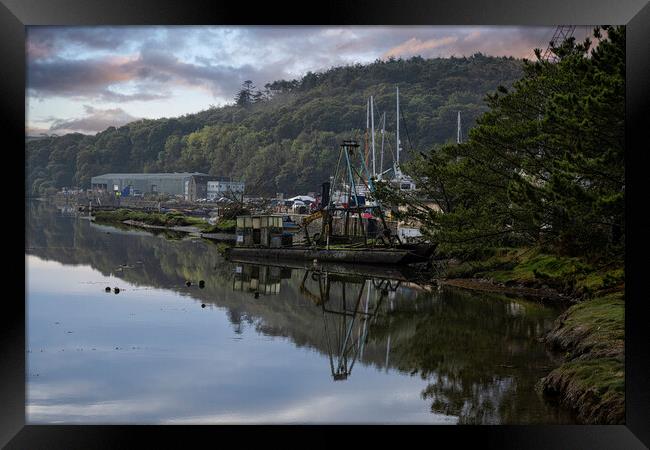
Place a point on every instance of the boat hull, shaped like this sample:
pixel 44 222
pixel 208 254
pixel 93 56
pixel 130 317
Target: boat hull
pixel 354 256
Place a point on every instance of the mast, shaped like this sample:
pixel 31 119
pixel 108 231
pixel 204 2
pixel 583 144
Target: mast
pixel 368 114
pixel 398 146
pixel 381 160
pixel 458 136
pixel 365 150
pixel 372 134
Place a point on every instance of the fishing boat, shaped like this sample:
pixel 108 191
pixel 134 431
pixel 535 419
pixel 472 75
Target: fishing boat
pixel 353 225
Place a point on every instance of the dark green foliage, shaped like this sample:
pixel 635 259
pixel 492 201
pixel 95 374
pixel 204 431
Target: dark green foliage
pixel 284 138
pixel 544 166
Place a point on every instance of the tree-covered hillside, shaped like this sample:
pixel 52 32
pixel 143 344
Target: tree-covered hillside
pixel 285 138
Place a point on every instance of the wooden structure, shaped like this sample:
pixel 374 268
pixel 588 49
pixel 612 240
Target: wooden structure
pixel 259 231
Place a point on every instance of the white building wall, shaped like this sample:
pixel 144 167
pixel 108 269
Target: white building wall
pixel 217 189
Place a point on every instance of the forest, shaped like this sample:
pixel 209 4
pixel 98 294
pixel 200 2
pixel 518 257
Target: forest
pixel 283 137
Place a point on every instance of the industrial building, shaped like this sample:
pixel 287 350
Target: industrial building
pixel 192 186
pixel 145 183
pixel 218 188
pixel 196 187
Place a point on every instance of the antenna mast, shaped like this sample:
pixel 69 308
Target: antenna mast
pixel 458 134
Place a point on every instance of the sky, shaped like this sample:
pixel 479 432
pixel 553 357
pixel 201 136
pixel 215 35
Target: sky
pixel 85 79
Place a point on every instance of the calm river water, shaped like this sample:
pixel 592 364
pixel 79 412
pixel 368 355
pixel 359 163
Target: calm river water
pixel 258 344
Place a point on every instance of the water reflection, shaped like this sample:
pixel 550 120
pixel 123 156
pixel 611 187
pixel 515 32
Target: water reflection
pixel 374 333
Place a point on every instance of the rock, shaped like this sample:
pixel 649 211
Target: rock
pixel 201 284
pixel 188 283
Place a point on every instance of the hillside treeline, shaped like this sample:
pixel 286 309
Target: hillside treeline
pixel 284 138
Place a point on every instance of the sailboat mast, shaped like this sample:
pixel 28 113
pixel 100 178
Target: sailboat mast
pixel 372 134
pixel 381 159
pixel 458 137
pixel 365 150
pixel 398 149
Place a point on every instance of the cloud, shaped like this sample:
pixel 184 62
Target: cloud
pixel 46 41
pixel 154 72
pixel 95 63
pixel 93 121
pixel 165 66
pixel 415 46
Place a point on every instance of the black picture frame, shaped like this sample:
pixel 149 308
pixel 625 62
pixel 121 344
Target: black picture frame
pixel 16 14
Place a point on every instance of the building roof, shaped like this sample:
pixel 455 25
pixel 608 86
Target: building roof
pixel 150 175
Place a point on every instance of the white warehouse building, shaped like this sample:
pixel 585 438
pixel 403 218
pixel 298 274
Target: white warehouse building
pixel 223 188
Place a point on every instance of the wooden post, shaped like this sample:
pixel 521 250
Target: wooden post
pixel 363 231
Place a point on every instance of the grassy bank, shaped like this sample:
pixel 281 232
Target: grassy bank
pixel 223 226
pixel 590 333
pixel 532 268
pixel 170 219
pixel 592 378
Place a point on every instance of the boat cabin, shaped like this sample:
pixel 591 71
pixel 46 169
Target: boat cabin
pixel 259 231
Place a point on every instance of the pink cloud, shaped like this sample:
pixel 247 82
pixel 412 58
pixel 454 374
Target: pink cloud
pixel 416 46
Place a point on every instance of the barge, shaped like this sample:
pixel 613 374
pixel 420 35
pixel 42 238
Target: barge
pixel 371 256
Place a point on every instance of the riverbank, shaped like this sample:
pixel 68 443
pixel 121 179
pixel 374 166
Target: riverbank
pixel 592 378
pixel 173 221
pixel 590 333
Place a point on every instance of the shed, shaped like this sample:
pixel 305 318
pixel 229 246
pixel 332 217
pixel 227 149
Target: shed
pixel 259 230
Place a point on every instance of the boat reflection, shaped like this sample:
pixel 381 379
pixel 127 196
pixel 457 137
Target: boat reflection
pixel 350 302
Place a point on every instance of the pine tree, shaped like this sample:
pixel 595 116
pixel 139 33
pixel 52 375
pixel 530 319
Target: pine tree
pixel 244 96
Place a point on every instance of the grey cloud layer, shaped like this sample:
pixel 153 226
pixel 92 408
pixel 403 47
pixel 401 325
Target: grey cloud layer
pixel 124 64
pixel 277 52
pixel 93 120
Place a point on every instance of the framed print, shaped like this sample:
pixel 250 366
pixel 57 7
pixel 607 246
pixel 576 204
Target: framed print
pixel 367 215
